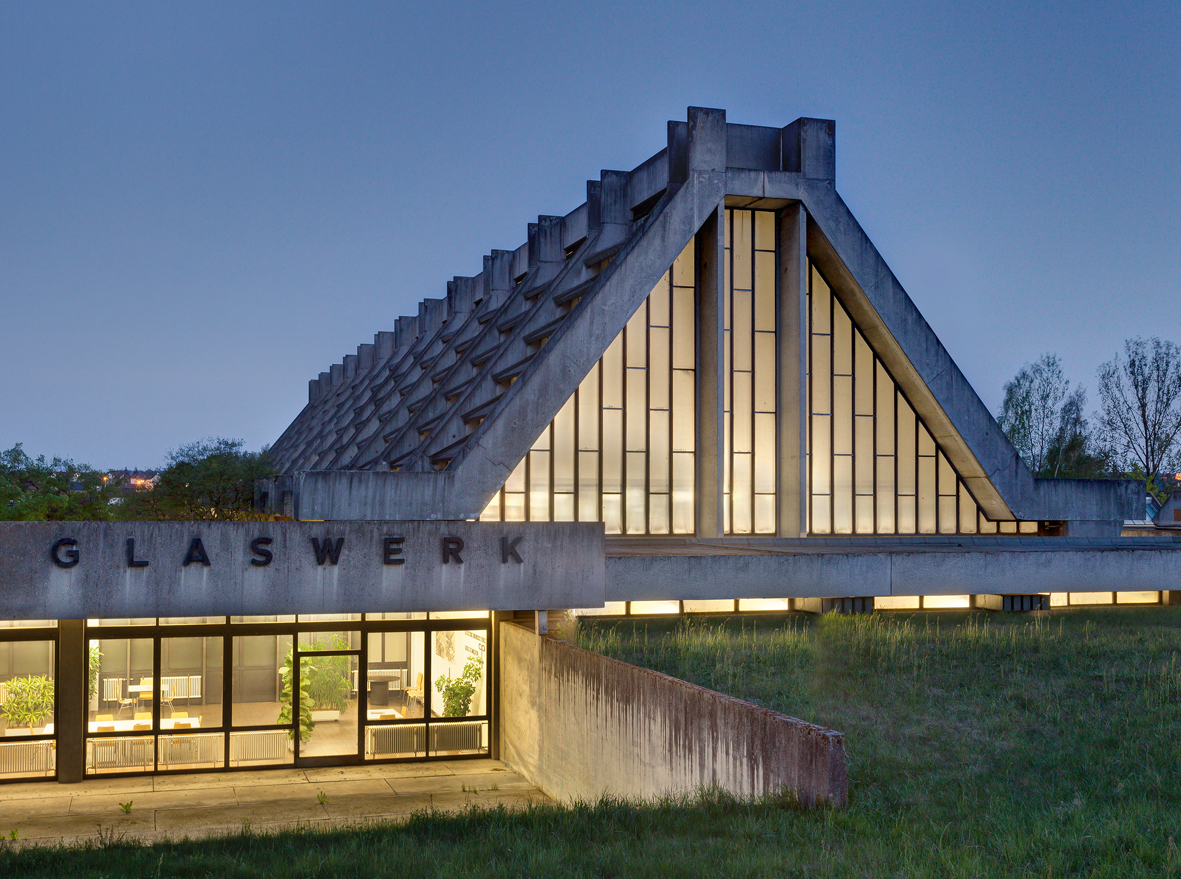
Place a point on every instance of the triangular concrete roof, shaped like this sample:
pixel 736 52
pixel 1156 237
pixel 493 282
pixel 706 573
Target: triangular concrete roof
pixel 428 421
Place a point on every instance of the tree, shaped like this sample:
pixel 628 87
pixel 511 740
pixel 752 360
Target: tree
pixel 1075 452
pixel 1031 414
pixel 1141 398
pixel 204 480
pixel 57 490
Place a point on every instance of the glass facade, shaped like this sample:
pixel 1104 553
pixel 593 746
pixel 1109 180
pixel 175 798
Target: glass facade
pixel 248 692
pixel 749 364
pixel 621 450
pixel 873 466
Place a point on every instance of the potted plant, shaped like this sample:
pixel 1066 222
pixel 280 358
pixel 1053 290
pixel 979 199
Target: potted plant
pixel 306 722
pixel 96 662
pixel 457 692
pixel 29 701
pixel 328 684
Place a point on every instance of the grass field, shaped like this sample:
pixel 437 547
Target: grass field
pixel 978 745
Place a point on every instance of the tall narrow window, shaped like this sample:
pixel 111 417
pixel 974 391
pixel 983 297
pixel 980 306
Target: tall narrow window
pixel 749 352
pixel 621 450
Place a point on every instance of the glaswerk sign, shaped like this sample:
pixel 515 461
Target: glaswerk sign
pixel 73 570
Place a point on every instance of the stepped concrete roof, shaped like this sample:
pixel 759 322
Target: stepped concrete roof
pixel 429 419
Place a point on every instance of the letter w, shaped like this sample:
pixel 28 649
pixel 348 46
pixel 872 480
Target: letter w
pixel 327 551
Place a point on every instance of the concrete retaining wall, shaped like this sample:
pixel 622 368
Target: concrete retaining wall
pixel 579 725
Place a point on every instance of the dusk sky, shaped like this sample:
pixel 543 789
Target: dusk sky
pixel 203 206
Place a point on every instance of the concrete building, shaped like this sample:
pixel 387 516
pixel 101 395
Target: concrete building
pixel 702 390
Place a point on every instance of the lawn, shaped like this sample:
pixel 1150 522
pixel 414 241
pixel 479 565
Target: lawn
pixel 978 745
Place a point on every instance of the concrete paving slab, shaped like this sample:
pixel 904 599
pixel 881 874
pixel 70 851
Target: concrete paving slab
pixel 30 807
pixel 409 770
pixel 247 777
pixel 132 785
pixel 105 803
pixel 453 782
pixel 29 790
pixel 256 794
pixel 353 788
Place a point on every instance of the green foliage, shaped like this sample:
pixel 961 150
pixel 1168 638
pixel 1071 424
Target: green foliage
pixel 29 701
pixel 34 489
pixel 1140 395
pixel 328 684
pixel 322 798
pixel 96 663
pixel 1046 423
pixel 457 692
pixel 306 724
pixel 211 479
pixel 126 807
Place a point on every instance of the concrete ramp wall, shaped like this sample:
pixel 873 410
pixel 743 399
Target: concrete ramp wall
pixel 579 725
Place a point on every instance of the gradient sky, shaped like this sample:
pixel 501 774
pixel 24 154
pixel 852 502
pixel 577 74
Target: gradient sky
pixel 202 206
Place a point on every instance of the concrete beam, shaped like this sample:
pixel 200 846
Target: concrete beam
pixel 711 376
pixel 791 474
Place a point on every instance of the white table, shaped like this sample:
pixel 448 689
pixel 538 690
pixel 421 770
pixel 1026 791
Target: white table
pixel 124 726
pixel 382 714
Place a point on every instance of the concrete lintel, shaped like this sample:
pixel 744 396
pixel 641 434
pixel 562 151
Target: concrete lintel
pixel 840 574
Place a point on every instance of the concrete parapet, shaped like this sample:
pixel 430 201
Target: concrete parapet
pixel 579 725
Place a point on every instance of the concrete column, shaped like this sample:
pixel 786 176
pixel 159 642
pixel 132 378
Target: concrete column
pixel 710 375
pixel 498 617
pixel 792 477
pixel 70 720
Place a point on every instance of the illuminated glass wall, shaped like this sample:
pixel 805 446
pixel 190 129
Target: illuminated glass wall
pixel 749 364
pixel 621 450
pixel 874 467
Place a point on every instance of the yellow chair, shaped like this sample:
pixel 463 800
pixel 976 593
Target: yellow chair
pixel 179 714
pixel 139 727
pixel 145 698
pixel 415 692
pixel 142 715
pixel 125 702
pixel 105 717
pixel 184 725
pixel 105 728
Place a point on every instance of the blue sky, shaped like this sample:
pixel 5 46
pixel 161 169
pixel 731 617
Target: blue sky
pixel 203 206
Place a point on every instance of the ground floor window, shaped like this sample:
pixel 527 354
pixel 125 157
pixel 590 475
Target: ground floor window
pixel 28 661
pixel 316 690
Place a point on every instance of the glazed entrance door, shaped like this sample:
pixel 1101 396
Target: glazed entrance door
pixel 327 699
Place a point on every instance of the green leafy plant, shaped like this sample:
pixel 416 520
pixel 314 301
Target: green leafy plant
pixel 14 834
pixel 96 661
pixel 457 692
pixel 126 807
pixel 29 701
pixel 306 723
pixel 328 678
pixel 322 798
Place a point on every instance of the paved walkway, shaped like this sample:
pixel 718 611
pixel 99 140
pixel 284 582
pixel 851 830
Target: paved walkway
pixel 177 806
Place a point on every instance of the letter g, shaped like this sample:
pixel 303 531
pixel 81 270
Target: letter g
pixel 65 552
